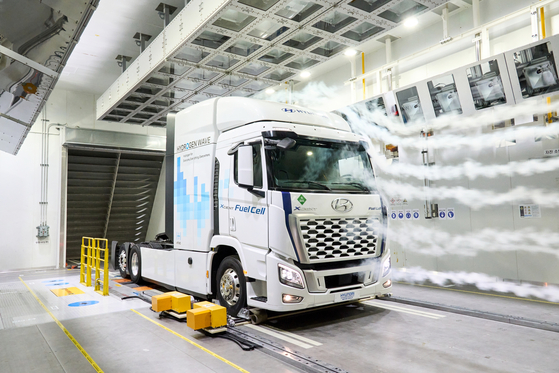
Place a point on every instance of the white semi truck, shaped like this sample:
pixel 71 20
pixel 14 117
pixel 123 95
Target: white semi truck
pixel 273 207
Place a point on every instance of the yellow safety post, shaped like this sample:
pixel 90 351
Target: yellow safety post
pixel 104 248
pixel 91 257
pixel 84 263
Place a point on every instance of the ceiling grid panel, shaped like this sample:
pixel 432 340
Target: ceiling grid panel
pixel 240 47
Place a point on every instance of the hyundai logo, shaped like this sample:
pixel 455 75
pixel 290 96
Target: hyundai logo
pixel 342 205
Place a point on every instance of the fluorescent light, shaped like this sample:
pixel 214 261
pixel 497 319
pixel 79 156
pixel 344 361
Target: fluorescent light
pixel 410 22
pixel 269 91
pixel 305 74
pixel 350 52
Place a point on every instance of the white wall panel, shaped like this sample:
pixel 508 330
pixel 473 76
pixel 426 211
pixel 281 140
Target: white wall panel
pixel 20 192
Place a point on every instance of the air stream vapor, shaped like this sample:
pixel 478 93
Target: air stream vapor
pixel 435 242
pixel 455 135
pixel 480 280
pixel 469 169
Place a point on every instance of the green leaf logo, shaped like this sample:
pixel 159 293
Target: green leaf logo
pixel 302 199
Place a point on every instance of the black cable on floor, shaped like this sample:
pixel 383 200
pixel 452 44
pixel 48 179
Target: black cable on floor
pixel 242 343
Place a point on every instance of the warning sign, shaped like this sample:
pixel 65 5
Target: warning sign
pixel 530 211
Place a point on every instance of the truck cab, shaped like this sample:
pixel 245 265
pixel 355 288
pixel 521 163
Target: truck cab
pixel 274 207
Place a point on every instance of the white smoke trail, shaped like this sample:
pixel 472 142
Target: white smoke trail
pixel 435 242
pixel 469 169
pixel 482 118
pixel 479 280
pixel 469 197
pixel 314 94
pixel 476 140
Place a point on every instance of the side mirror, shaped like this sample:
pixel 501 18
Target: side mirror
pixel 245 167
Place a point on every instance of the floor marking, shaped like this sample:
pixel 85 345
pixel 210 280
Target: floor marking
pixel 405 310
pixel 142 288
pixel 279 336
pixel 475 292
pixel 62 292
pixel 399 307
pixel 293 335
pixel 192 343
pixel 79 347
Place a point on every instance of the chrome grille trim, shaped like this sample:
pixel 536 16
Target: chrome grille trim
pixel 337 238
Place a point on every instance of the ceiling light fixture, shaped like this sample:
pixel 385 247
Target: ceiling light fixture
pixel 305 74
pixel 411 22
pixel 350 52
pixel 270 91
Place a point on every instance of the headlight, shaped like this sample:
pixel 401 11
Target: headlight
pixel 386 267
pixel 290 277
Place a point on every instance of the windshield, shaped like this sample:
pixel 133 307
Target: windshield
pixel 321 165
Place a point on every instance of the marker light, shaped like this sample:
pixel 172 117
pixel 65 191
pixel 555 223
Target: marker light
pixel 287 298
pixel 305 74
pixel 411 22
pixel 290 277
pixel 350 52
pixel 270 91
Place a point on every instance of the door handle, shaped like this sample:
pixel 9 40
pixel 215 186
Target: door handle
pixel 233 225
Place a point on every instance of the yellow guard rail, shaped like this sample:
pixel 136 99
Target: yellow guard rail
pixel 91 258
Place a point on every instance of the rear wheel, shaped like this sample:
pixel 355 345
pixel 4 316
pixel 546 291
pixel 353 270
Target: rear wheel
pixel 135 265
pixel 122 260
pixel 231 283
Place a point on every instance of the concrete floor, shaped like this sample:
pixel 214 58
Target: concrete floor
pixel 369 336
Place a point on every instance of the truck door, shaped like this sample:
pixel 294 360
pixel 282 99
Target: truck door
pixel 248 214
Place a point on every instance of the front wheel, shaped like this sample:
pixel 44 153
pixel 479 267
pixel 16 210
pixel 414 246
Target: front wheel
pixel 231 284
pixel 135 265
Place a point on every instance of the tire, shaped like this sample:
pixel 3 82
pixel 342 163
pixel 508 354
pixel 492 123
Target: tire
pixel 135 264
pixel 231 285
pixel 122 261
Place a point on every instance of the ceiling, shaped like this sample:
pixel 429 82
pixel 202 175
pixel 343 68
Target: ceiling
pixel 93 68
pixel 240 47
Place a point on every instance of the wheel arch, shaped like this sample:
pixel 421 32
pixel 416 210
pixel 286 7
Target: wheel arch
pixel 221 252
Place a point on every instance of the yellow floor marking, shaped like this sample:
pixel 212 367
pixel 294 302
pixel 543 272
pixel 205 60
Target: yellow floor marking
pixel 79 347
pixel 193 343
pixel 62 292
pixel 475 292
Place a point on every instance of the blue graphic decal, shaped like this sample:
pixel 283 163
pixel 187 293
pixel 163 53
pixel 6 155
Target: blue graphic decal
pixel 54 281
pixel 286 197
pixel 194 206
pixel 84 303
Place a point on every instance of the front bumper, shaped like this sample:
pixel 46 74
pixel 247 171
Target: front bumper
pixel 317 291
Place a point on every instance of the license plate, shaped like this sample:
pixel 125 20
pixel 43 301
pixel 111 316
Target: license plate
pixel 348 295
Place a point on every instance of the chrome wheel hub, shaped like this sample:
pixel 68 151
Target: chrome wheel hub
pixel 122 260
pixel 229 287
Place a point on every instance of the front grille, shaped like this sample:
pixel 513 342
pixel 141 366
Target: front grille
pixel 333 238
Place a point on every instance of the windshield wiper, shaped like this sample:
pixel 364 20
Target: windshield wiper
pixel 357 185
pixel 308 182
